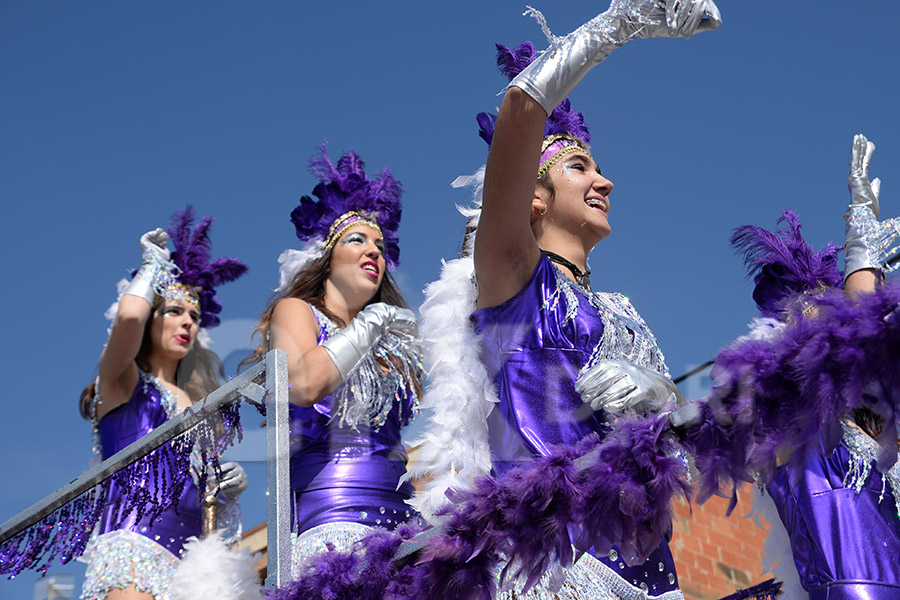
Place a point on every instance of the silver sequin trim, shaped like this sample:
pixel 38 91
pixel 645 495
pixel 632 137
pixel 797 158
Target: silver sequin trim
pixel 120 559
pixel 880 239
pixel 863 453
pixel 369 393
pixel 625 334
pixel 587 579
pixel 314 541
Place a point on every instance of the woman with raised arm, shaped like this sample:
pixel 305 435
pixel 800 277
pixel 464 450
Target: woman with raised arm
pixel 840 508
pixel 354 365
pixel 807 405
pixel 152 368
pixel 560 355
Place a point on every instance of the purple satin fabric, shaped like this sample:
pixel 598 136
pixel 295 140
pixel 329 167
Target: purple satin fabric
pixel 845 545
pixel 534 357
pixel 120 427
pixel 341 475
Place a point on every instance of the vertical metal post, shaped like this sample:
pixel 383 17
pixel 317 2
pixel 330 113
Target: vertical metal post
pixel 278 477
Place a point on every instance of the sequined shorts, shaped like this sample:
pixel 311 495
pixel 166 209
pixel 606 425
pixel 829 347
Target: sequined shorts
pixel 587 579
pixel 339 536
pixel 120 559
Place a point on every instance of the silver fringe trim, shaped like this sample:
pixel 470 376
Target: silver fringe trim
pixel 863 453
pixel 386 375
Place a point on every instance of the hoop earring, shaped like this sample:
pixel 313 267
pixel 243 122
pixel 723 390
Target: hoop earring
pixel 544 210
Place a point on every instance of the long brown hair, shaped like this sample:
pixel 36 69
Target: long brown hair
pixel 309 285
pixel 198 373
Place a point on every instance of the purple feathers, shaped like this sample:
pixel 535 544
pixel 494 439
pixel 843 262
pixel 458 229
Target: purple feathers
pixel 563 119
pixel 775 397
pixel 784 264
pixel 344 188
pixel 193 256
pixel 616 490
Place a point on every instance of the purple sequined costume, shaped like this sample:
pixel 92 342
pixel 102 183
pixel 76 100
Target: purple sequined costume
pixel 138 553
pixel 843 520
pixel 534 346
pixel 344 476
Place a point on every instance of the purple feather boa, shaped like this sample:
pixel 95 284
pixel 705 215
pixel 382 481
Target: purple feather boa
pixel 563 119
pixel 193 255
pixel 602 492
pixel 777 396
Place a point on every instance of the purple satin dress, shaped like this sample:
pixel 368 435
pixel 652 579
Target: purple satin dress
pixel 146 410
pixel 534 346
pixel 843 521
pixel 346 474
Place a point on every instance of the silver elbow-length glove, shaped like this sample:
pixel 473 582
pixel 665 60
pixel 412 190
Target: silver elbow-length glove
pixel 154 259
pixel 868 243
pixel 617 386
pixel 349 346
pixel 557 71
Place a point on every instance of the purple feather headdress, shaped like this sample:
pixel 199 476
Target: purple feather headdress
pixel 345 193
pixel 563 121
pixel 784 264
pixel 197 269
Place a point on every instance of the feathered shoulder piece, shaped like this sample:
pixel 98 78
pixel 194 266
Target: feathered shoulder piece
pixel 345 196
pixel 562 121
pixel 783 264
pixel 197 269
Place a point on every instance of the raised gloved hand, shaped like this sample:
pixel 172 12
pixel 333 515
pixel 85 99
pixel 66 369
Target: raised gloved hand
pixel 868 243
pixel 348 346
pixel 618 385
pixel 153 254
pixel 232 481
pixel 557 72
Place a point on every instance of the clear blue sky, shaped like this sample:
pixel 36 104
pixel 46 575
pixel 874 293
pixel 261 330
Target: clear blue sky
pixel 113 115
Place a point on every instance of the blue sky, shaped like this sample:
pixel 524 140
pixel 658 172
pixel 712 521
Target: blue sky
pixel 114 115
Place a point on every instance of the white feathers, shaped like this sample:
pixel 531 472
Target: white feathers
pixel 473 213
pixel 293 261
pixel 454 448
pixel 211 571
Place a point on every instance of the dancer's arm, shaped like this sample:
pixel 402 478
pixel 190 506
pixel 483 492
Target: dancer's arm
pixel 314 370
pixel 867 239
pixel 117 370
pixel 506 252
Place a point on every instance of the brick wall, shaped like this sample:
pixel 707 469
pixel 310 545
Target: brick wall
pixel 717 555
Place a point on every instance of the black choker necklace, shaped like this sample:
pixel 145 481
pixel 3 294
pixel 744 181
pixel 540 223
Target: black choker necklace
pixel 582 278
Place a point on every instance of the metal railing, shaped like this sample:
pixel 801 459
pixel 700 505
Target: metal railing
pixel 268 379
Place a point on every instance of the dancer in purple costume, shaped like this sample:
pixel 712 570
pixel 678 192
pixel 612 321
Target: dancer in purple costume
pixel 354 365
pixel 840 513
pixel 152 368
pixel 562 357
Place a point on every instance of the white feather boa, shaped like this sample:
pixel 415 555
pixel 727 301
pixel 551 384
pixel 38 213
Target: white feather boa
pixel 210 570
pixel 454 448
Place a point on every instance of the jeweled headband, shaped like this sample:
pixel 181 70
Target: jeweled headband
pixel 348 220
pixel 557 146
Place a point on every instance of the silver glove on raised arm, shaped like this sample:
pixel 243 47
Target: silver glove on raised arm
pixel 154 256
pixel 868 243
pixel 349 346
pixel 618 385
pixel 556 72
